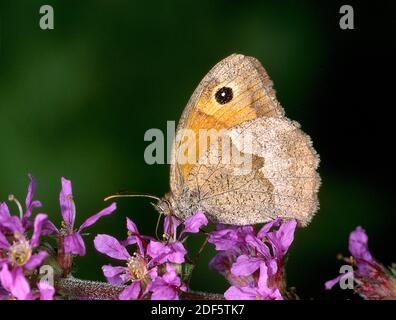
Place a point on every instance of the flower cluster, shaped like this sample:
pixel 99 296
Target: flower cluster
pixel 155 269
pixel 251 261
pixel 20 255
pixel 36 257
pixel 21 251
pixel 371 280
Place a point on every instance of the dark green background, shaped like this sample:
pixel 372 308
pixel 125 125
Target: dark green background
pixel 76 102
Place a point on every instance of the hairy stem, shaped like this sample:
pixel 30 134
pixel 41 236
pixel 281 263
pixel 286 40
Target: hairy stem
pixel 78 289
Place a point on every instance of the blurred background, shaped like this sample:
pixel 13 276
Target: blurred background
pixel 76 101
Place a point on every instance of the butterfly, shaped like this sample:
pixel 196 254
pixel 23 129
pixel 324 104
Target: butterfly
pixel 236 98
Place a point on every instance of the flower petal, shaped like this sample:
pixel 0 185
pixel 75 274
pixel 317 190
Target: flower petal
pixel 131 292
pixel 193 223
pixel 13 224
pixel 4 244
pixel 153 273
pixel 224 239
pixel 263 278
pixel 271 294
pixel 258 245
pixel 4 212
pixel 74 243
pixel 91 220
pixel 162 253
pixel 30 203
pixel 245 265
pixel 170 224
pixel 283 237
pixel 4 294
pixel 164 293
pixel 245 293
pixel 47 291
pixel 68 208
pixel 112 274
pixel 221 262
pixel 272 265
pixel 31 190
pixel 38 223
pixel 162 290
pixel 286 234
pixel 36 260
pixel 134 235
pixel 6 277
pixel 15 282
pixel 20 287
pixel 331 283
pixel 48 228
pixel 358 245
pixel 267 227
pixel 178 252
pixel 131 226
pixel 156 248
pixel 111 246
pixel 171 277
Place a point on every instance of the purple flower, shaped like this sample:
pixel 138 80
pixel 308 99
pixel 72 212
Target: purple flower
pixel 259 292
pixel 282 238
pixel 173 250
pixel 372 281
pixel 245 255
pixel 228 237
pixel 167 286
pixel 20 252
pixel 358 247
pixel 160 253
pixel 150 271
pixel 9 223
pixel 73 241
pixel 136 271
pixel 362 258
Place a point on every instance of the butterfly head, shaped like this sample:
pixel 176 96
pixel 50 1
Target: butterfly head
pixel 163 206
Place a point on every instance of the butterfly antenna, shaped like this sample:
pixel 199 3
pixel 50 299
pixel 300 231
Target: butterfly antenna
pixel 127 194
